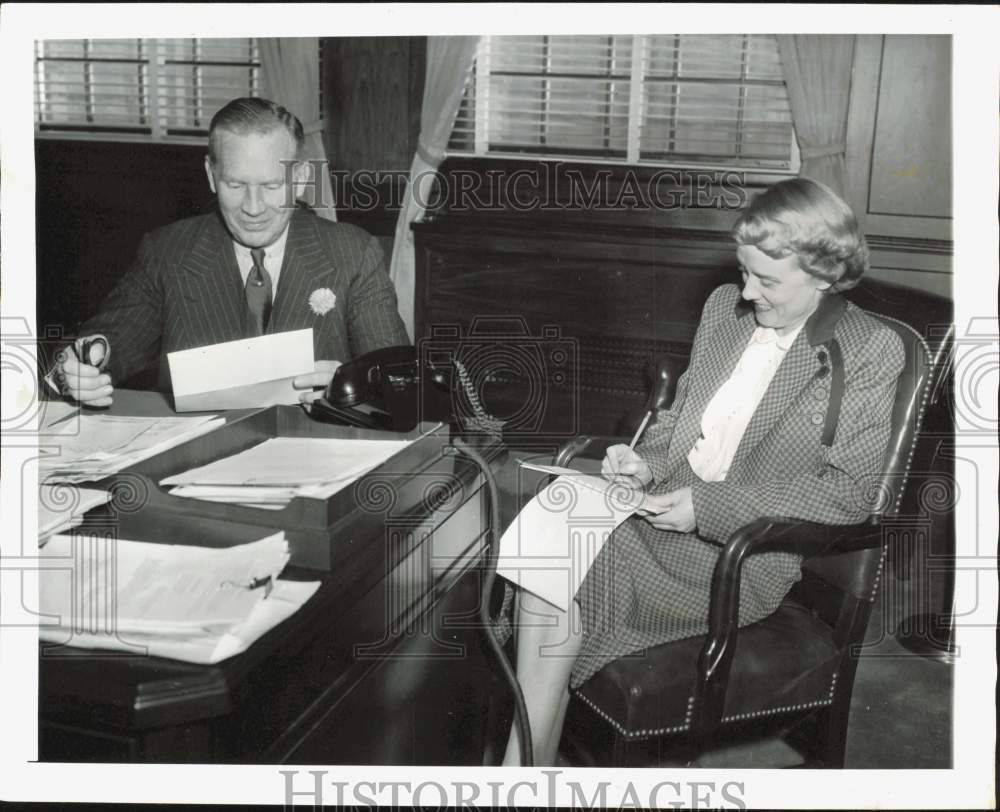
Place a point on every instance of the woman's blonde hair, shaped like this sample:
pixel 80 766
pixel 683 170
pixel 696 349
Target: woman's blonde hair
pixel 805 218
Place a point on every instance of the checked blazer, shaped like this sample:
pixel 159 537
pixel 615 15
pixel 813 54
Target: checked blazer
pixel 184 290
pixel 652 586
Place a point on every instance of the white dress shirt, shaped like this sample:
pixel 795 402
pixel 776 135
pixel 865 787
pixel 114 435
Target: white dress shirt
pixel 274 255
pixel 731 408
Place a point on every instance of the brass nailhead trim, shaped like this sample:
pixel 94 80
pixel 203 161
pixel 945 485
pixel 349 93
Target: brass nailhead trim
pixel 929 357
pixel 644 733
pixel 878 576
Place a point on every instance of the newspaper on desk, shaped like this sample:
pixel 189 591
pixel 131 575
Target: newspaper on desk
pixel 196 604
pixel 94 446
pixel 551 545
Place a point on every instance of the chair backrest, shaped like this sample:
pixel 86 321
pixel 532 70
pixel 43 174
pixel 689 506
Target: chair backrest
pixel 928 361
pixel 829 580
pixel 912 392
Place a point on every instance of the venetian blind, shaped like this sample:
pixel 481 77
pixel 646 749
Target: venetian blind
pixel 678 99
pixel 160 88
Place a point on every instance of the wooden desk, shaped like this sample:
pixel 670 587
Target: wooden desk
pixel 379 667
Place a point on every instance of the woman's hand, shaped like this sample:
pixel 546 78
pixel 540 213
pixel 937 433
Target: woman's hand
pixel 621 462
pixel 670 511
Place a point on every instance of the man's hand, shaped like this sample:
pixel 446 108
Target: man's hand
pixel 621 462
pixel 81 382
pixel 670 511
pixel 316 381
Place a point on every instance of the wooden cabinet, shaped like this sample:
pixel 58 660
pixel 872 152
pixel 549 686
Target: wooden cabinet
pixel 613 299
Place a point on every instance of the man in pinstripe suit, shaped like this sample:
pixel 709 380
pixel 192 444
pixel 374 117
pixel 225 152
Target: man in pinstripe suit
pixel 193 281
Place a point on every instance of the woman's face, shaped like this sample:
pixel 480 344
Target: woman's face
pixel 782 294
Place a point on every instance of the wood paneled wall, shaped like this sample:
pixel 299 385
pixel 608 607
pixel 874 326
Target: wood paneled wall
pixel 373 89
pixel 899 157
pixel 93 202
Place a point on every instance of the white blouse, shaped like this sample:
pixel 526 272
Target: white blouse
pixel 728 413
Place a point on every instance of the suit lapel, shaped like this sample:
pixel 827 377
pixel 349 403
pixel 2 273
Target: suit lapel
pixel 721 354
pixel 794 373
pixel 797 369
pixel 216 288
pixel 302 272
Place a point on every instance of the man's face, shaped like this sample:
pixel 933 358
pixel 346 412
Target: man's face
pixel 251 184
pixel 782 294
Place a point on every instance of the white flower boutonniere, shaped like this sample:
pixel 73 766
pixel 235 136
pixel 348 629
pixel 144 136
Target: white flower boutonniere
pixel 322 301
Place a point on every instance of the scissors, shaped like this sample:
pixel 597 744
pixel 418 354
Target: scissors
pixel 93 351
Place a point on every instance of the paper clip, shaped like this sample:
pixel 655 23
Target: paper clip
pixel 255 583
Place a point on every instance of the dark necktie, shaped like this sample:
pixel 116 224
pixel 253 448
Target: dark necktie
pixel 258 291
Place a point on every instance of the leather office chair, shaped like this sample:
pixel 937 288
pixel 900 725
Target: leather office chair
pixel 795 667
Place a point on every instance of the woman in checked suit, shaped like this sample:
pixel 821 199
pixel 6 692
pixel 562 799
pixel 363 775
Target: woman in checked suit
pixel 746 437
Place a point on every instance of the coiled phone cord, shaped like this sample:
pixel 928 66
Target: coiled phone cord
pixel 520 711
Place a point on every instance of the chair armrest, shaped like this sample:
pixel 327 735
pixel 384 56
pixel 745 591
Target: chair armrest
pixel 591 446
pixel 768 534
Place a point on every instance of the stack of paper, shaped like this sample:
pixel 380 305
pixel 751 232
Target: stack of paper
pixel 192 603
pixel 94 446
pixel 61 507
pixel 552 544
pixel 270 474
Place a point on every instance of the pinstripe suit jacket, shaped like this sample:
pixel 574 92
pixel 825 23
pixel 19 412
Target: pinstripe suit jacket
pixel 184 290
pixel 650 586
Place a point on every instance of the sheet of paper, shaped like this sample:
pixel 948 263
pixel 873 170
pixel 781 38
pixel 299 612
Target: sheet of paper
pixel 93 446
pixel 247 495
pixel 54 411
pixel 280 392
pixel 105 584
pixel 100 436
pixel 549 548
pixel 249 372
pixel 621 491
pixel 204 647
pixel 61 507
pixel 293 462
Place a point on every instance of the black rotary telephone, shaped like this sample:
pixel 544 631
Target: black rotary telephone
pixel 385 389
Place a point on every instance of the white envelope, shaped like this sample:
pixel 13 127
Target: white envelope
pixel 249 372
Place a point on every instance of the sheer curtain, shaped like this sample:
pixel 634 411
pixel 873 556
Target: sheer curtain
pixel 818 74
pixel 449 63
pixel 289 75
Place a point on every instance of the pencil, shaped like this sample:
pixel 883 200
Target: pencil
pixel 641 429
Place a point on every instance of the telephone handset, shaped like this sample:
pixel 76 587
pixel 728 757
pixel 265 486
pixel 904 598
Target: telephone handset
pixel 385 389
